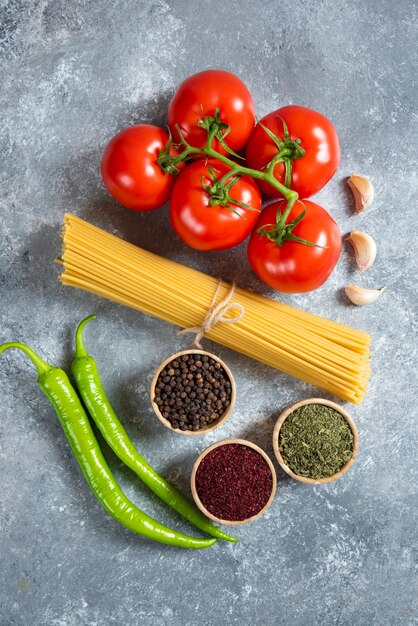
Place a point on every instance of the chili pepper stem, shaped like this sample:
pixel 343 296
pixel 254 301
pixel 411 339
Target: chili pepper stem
pixel 42 367
pixel 79 346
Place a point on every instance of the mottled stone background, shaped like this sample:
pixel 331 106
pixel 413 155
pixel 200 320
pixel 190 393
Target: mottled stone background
pixel 75 72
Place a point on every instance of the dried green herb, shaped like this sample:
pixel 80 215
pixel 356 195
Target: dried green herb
pixel 316 441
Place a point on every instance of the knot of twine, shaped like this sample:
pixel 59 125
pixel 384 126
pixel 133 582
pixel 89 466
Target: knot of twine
pixel 216 313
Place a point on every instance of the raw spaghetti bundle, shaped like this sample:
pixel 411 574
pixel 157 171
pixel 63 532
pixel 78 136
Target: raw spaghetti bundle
pixel 319 351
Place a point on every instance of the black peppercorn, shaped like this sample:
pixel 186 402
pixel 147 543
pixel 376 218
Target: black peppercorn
pixel 192 392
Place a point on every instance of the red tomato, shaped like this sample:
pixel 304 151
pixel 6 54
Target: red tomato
pixel 130 170
pixel 199 96
pixel 216 227
pixel 319 139
pixel 295 267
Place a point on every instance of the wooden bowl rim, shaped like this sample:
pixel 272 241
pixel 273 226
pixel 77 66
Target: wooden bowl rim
pixel 224 442
pixel 287 412
pixel 219 421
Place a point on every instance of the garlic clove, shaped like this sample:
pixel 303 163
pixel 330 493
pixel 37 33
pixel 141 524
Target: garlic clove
pixel 363 191
pixel 361 296
pixel 364 249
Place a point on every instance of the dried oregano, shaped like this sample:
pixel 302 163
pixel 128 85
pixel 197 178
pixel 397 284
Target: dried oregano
pixel 315 441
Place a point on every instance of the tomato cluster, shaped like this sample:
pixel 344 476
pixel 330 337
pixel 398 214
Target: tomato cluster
pixel 216 194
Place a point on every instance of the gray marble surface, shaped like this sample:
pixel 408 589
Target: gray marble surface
pixel 74 73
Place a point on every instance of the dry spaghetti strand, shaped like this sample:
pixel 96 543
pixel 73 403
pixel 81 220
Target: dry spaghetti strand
pixel 319 351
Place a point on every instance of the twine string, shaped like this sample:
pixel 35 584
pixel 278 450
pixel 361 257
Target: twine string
pixel 216 313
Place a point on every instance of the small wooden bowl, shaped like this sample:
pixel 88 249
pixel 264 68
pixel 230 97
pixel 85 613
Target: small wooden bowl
pixel 197 500
pixel 276 432
pixel 215 424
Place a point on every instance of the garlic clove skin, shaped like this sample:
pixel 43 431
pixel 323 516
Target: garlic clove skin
pixel 361 296
pixel 363 191
pixel 364 249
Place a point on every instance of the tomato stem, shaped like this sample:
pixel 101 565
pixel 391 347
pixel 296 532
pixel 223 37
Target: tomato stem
pixel 166 160
pixel 219 191
pixel 242 169
pixel 280 232
pixel 211 136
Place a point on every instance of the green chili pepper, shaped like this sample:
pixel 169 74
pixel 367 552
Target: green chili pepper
pixel 89 385
pixel 56 386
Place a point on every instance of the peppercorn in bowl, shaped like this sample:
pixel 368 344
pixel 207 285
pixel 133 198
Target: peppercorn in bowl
pixel 193 392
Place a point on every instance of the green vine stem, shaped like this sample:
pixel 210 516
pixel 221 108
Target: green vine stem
pixel 218 130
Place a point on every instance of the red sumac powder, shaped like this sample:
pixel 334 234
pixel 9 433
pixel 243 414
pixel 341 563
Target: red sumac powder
pixel 233 482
